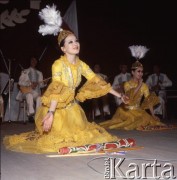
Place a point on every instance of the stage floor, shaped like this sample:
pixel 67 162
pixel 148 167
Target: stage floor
pixel 159 153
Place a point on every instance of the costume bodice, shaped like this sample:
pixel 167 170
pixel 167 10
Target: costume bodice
pixel 135 99
pixel 70 74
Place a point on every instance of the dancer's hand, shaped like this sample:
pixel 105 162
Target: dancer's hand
pixel 125 99
pixel 47 122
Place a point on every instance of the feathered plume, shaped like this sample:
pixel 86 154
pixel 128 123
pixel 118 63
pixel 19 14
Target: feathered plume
pixel 138 51
pixel 52 20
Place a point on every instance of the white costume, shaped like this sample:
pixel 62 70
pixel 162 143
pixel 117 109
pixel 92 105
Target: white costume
pixel 106 108
pixel 118 82
pixel 27 77
pixel 152 81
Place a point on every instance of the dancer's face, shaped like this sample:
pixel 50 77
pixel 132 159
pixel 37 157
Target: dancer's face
pixel 138 73
pixel 71 45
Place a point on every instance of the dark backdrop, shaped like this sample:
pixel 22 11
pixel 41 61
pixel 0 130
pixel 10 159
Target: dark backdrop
pixel 106 29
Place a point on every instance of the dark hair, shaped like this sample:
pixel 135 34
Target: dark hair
pixel 62 43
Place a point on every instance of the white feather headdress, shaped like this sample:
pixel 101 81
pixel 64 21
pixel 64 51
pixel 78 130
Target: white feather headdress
pixel 138 51
pixel 52 20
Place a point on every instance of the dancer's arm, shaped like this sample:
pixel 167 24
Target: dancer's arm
pixel 48 119
pixel 119 95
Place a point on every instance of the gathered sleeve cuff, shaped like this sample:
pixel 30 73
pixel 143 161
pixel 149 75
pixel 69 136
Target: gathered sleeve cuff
pixel 150 101
pixel 59 92
pixel 94 88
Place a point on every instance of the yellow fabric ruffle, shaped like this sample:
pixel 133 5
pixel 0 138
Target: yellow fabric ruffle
pixel 130 120
pixel 150 101
pixel 70 128
pixel 94 88
pixel 59 92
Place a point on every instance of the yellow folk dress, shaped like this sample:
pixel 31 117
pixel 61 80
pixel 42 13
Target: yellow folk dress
pixel 70 126
pixel 134 115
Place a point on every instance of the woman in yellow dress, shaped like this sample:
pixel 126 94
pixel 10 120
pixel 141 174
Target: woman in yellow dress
pixel 133 115
pixel 60 121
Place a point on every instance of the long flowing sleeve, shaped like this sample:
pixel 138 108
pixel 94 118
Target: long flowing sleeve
pixel 57 90
pixel 150 100
pixel 94 87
